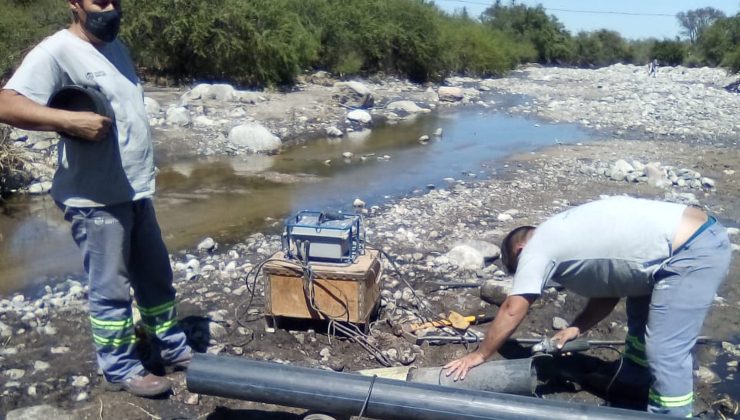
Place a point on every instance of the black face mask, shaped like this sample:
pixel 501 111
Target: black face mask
pixel 103 25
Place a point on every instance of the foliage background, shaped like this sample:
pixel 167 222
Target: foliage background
pixel 270 42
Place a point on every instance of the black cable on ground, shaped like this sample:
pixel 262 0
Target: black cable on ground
pixel 367 399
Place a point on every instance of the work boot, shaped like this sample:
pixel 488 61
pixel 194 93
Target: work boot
pixel 145 385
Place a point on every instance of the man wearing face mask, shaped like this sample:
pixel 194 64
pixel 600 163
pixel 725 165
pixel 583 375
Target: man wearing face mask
pixel 104 184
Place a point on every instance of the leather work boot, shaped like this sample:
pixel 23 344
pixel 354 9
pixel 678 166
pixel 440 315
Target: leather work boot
pixel 147 385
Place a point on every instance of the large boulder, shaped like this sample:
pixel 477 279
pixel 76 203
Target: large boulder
pixel 406 106
pixel 355 95
pixel 450 94
pixel 221 92
pixel 489 251
pixel 495 291
pixel 178 115
pixel 254 137
pixel 465 257
pixel 152 106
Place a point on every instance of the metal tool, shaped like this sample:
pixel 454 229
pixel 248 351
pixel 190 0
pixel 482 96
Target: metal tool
pixel 550 346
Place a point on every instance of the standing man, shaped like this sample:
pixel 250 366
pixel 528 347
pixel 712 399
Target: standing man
pixel 668 261
pixel 104 184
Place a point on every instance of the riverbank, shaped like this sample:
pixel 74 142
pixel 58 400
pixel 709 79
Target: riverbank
pixel 47 359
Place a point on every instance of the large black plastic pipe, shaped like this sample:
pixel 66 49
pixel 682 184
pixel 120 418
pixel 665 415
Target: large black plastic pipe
pixel 345 394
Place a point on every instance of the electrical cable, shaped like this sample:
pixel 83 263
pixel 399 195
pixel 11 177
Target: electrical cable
pixel 619 369
pixel 367 399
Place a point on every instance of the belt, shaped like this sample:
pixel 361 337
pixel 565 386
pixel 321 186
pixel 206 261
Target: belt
pixel 710 221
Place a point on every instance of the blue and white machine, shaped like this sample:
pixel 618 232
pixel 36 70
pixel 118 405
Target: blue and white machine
pixel 325 237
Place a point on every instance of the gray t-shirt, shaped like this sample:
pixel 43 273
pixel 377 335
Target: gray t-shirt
pixel 117 169
pixel 606 248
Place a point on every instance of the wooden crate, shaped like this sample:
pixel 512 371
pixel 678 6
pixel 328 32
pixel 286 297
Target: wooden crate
pixel 347 293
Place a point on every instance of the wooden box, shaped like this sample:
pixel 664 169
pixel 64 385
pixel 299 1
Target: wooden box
pixel 342 292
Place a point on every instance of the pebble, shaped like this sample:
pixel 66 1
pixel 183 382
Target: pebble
pixel 40 366
pixel 82 396
pixel 15 374
pixel 559 323
pixel 59 350
pixel 80 381
pixel 31 391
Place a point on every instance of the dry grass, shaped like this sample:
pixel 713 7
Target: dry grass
pixel 11 161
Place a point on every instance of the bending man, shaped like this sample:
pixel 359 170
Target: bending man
pixel 668 261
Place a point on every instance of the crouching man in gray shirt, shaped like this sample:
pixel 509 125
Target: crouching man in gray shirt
pixel 668 261
pixel 104 184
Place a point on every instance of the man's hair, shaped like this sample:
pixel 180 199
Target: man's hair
pixel 509 256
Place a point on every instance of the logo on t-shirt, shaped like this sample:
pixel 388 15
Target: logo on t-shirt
pixel 90 75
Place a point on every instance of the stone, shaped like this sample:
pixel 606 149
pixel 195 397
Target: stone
pixel 423 139
pixel 656 175
pixel 361 116
pixel 40 366
pixel 216 330
pixel 348 155
pixel 334 132
pixel 465 257
pixel 80 381
pixel 495 291
pixel 707 182
pixel 220 92
pixel 15 374
pixel 489 251
pixel 39 412
pixel 438 132
pixel 450 94
pixel 355 95
pixel 254 137
pixel 39 188
pixel 559 323
pixel 358 203
pixel 706 375
pixel 151 106
pixel 82 396
pixel 409 107
pixel 178 115
pixel 504 217
pixel 207 244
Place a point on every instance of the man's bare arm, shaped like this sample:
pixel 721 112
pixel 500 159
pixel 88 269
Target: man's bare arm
pixel 596 309
pixel 21 112
pixel 509 316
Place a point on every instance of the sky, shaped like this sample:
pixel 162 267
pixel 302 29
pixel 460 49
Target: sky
pixel 632 18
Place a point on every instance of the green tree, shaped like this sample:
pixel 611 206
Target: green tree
pixel 695 21
pixel 534 25
pixel 669 52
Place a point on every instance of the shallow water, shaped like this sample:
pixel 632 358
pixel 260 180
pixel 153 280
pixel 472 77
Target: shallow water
pixel 229 198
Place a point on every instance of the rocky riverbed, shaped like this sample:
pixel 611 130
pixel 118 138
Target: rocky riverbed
pixel 672 137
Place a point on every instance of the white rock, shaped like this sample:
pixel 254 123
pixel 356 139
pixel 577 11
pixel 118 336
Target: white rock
pixel 656 175
pixel 361 116
pixel 733 231
pixel 706 375
pixel 39 188
pixel 15 374
pixel 80 381
pixel 207 244
pixel 18 299
pixel 358 203
pixel 59 350
pixel 559 323
pixel 40 366
pixel 450 94
pixel 504 217
pixel 334 132
pixel 707 182
pixel 407 106
pixel 488 250
pixel 438 132
pixel 424 139
pixel 152 106
pixel 254 137
pixel 220 92
pixel 465 257
pixel 178 116
pixel 348 155
pixel 82 396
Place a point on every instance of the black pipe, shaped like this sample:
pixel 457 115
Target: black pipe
pixel 345 393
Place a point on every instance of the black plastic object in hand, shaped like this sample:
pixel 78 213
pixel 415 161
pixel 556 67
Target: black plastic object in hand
pixel 81 99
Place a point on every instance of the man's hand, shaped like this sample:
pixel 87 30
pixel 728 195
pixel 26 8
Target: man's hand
pixel 565 335
pixel 461 366
pixel 87 125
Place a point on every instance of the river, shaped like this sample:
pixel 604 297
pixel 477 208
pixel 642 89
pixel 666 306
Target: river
pixel 228 198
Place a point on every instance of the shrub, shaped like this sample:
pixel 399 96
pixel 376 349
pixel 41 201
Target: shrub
pixel 669 52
